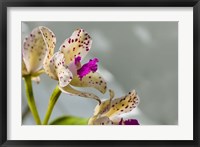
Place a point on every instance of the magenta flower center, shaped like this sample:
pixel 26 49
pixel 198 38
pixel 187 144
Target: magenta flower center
pixel 91 66
pixel 129 122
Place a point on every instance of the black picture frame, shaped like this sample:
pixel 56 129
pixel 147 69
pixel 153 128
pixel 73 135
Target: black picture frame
pixel 4 4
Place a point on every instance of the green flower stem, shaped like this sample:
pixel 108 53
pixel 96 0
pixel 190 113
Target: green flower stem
pixel 54 97
pixel 30 99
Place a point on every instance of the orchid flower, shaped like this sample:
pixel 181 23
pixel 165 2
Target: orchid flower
pixel 65 65
pixel 109 111
pixel 35 52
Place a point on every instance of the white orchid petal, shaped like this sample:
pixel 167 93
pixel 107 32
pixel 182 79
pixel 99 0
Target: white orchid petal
pixel 36 48
pixel 124 104
pixel 50 41
pixel 34 51
pixel 59 70
pixel 94 80
pixel 77 45
pixel 69 90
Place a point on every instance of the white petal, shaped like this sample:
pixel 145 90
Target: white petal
pixel 78 44
pixel 59 70
pixel 36 48
pixel 94 80
pixel 69 90
pixel 124 104
pixel 50 41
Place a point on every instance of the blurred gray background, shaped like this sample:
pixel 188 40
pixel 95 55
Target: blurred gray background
pixel 133 55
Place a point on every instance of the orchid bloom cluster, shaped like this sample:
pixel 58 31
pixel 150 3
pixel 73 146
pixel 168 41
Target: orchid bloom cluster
pixel 66 67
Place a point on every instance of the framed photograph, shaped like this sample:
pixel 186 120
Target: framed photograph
pixel 107 72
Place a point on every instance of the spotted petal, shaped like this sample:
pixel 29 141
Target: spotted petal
pixel 36 48
pixel 59 70
pixel 124 104
pixel 77 45
pixel 94 80
pixel 50 41
pixel 69 90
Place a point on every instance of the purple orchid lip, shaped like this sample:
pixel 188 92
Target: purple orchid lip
pixel 91 66
pixel 129 122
